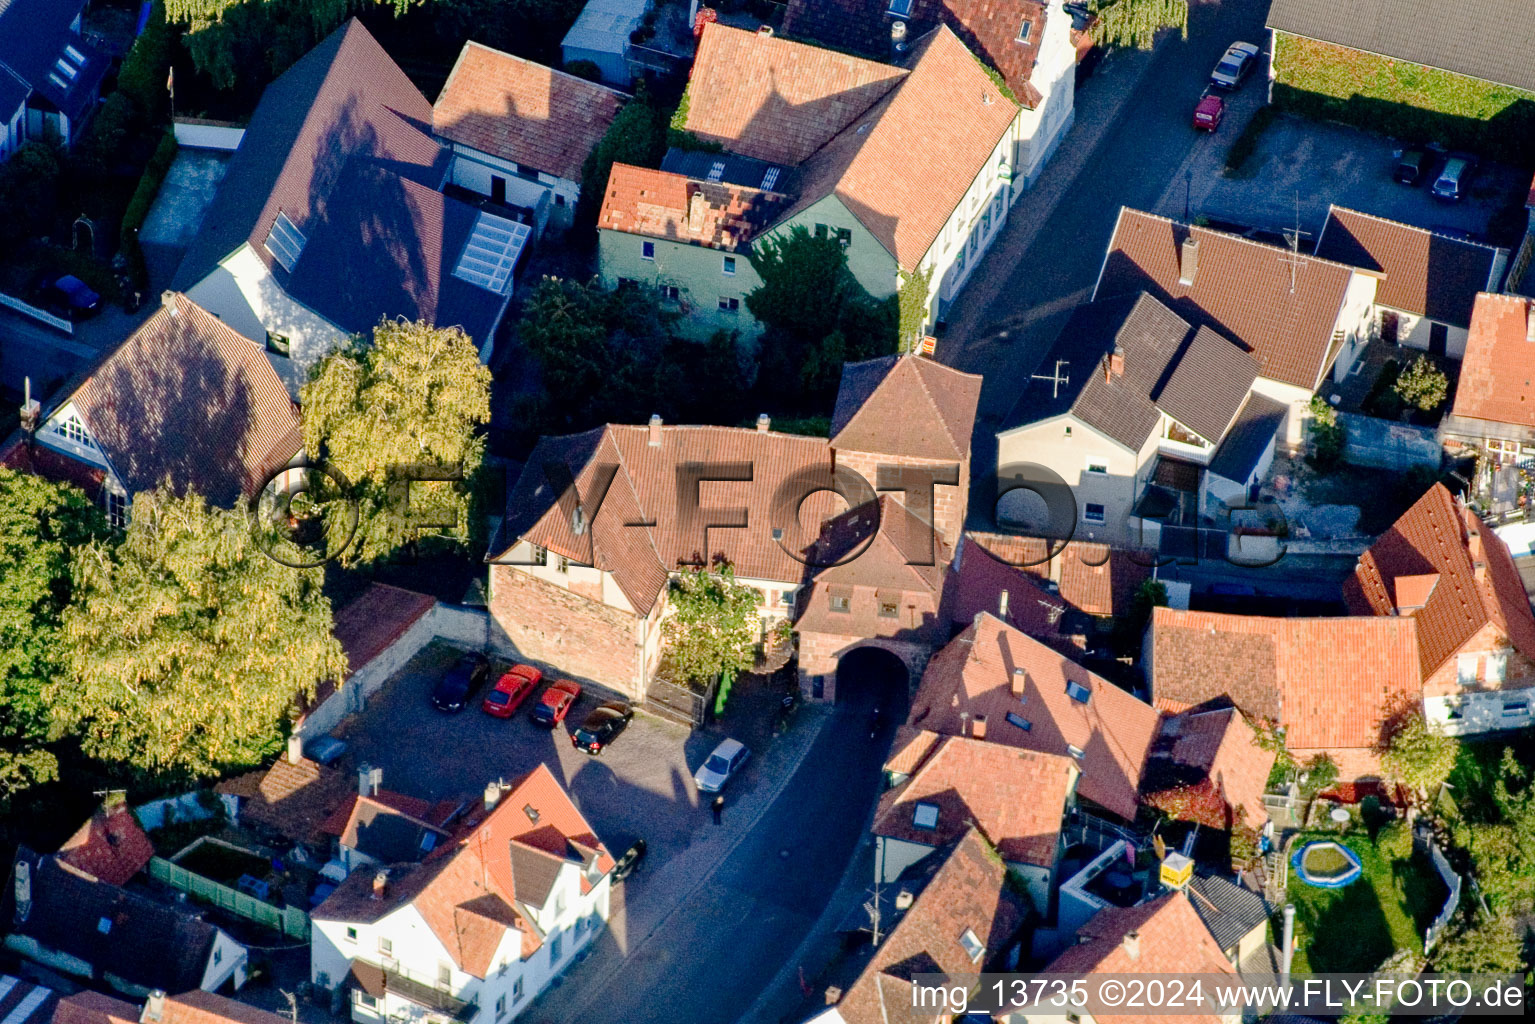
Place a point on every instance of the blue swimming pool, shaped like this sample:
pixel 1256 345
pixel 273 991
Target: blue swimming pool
pixel 1326 864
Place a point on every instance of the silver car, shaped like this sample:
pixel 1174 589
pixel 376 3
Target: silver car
pixel 721 766
pixel 1451 183
pixel 1237 64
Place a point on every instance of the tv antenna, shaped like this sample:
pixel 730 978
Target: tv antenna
pixel 1056 379
pixel 1293 257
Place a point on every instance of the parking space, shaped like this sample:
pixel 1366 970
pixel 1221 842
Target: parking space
pixel 1301 166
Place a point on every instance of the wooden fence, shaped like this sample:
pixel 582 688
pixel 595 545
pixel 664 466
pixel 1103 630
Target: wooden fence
pixel 291 921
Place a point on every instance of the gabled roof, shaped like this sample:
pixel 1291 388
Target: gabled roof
pixel 34 35
pixel 1249 437
pixel 367 625
pixel 1213 748
pixel 775 99
pixel 905 405
pixel 905 558
pixel 89 1007
pixel 534 116
pixel 968 894
pixel 391 828
pixel 1499 365
pixel 1228 910
pixel 1242 289
pixel 188 399
pixel 1424 272
pixel 976 675
pixel 1193 375
pixel 1493 40
pixel 675 207
pixel 977 581
pixel 141 941
pixel 110 846
pixel 199 1007
pixel 1017 798
pixel 1330 682
pixel 1439 536
pixel 292 798
pixel 1092 578
pixel 991 29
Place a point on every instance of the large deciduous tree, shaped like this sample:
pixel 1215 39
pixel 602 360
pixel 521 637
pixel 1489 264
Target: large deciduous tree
pixel 185 645
pixel 408 405
pixel 713 629
pixel 41 523
pixel 1418 757
pixel 1136 22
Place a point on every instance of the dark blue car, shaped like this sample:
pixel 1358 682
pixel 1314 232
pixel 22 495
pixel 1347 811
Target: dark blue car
pixel 72 294
pixel 454 690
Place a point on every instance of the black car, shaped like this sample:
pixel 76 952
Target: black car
pixel 604 723
pixel 625 865
pixel 70 295
pixel 1411 166
pixel 454 690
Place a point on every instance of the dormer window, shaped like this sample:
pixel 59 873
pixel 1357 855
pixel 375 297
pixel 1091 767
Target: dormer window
pixel 1025 30
pixel 1077 692
pixel 900 8
pixel 840 601
pixel 531 812
pixel 1075 751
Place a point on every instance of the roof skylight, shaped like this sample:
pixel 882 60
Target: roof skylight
pixel 491 253
pixel 285 241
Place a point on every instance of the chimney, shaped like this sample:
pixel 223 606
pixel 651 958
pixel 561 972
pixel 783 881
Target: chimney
pixel 492 795
pixel 1117 361
pixel 369 779
pixel 655 430
pixel 1188 262
pixel 978 727
pixel 898 37
pixel 765 30
pixel 295 748
pixel 380 884
pixel 764 423
pixel 31 410
pixel 1529 322
pixel 1132 944
pixel 168 300
pixel 1020 680
pixel 697 205
pixel 1287 949
pixel 154 1007
pixel 904 899
pixel 1002 606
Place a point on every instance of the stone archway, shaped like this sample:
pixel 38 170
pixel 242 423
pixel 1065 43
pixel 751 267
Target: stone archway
pixel 872 674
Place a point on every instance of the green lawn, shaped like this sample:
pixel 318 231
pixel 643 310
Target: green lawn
pixel 1355 928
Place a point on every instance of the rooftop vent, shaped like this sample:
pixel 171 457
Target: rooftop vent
pixel 655 429
pixel 1188 261
pixel 898 42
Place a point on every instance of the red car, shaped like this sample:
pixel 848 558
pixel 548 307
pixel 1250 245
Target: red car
pixel 556 703
pixel 1207 116
pixel 511 690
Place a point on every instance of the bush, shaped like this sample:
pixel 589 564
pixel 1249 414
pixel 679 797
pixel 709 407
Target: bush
pixel 584 69
pixel 1327 435
pixel 145 67
pixel 29 183
pixel 1423 385
pixel 1247 142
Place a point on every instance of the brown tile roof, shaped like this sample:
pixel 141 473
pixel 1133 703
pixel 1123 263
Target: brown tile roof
pixel 949 110
pixel 1332 683
pixel 1499 364
pixel 910 748
pixel 376 618
pixel 1171 940
pixel 970 893
pixel 110 845
pixel 904 561
pixel 293 798
pixel 188 399
pixel 94 1008
pixel 24 455
pixel 1092 578
pixel 1424 272
pixel 774 99
pixel 978 579
pixel 534 116
pixel 1217 748
pixel 1242 289
pixel 906 405
pixel 199 1007
pixel 389 827
pixel 469 889
pixel 990 28
pixel 977 674
pixel 660 204
pixel 1017 798
pixel 1438 536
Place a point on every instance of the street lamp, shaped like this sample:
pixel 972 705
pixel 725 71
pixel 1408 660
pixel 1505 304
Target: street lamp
pixel 1188 192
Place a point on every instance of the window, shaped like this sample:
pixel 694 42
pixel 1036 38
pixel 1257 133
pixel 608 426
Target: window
pixel 1497 665
pixel 986 221
pixel 517 990
pixel 973 948
pixel 117 510
pixel 717 171
pixel 844 237
pixel 888 608
pixel 218 956
pixel 1013 718
pixel 554 948
pixel 1075 752
pixel 74 430
pixel 500 1007
pixel 564 565
pixel 559 200
pixel 729 305
pixel 1077 692
pixel 1512 708
pixel 1097 467
pixel 1073 1018
pixel 444 975
pixel 786 598
pixel 363 999
pixel 351 935
pixel 996 209
pixel 728 267
pixel 839 602
pixel 1465 669
pixel 670 293
pixel 385 946
pixel 647 250
pixel 925 815
pixel 821 231
pixel 1025 30
pixel 277 343
pixel 285 241
pixel 900 8
pixel 1092 512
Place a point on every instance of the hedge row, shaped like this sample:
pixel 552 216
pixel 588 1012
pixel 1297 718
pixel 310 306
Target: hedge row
pixel 138 207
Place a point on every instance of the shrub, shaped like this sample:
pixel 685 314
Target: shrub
pixel 1327 435
pixel 1247 142
pixel 584 69
pixel 144 70
pixel 1423 385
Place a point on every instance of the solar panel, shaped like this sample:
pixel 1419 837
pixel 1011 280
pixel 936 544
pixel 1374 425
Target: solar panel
pixel 491 253
pixel 285 241
pixel 74 54
pixel 66 69
pixel 770 178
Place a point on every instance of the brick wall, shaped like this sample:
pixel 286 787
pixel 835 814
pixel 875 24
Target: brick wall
pixel 1518 672
pixel 578 636
pixel 819 654
pixel 950 504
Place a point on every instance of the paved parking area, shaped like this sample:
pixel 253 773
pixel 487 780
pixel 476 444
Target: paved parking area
pixel 1306 165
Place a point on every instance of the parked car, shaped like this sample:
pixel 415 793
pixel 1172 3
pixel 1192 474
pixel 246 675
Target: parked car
pixel 460 683
pixel 602 726
pixel 1452 181
pixel 556 702
pixel 1411 166
pixel 1208 114
pixel 511 690
pixel 70 294
pixel 1237 64
pixel 626 865
pixel 719 767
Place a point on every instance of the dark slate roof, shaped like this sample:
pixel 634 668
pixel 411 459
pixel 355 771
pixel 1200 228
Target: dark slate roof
pixel 1207 384
pixel 1493 40
pixel 733 170
pixel 1228 910
pixel 33 34
pixel 13 93
pixel 1249 436
pixel 145 943
pixel 534 872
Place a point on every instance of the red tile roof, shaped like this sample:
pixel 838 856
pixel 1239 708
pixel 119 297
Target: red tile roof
pixel 110 846
pixel 94 1008
pixel 906 405
pixel 534 116
pixel 1093 578
pixel 1017 798
pixel 978 580
pixel 1426 273
pixel 293 798
pixel 376 618
pixel 198 1007
pixel 1242 290
pixel 1499 364
pixel 1439 536
pixel 661 204
pixel 1332 683
pixel 977 675
pixel 1215 749
pixel 777 100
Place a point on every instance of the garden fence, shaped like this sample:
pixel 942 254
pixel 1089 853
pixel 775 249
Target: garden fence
pixel 40 315
pixel 1451 882
pixel 1387 444
pixel 291 921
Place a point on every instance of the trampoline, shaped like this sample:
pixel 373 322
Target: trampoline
pixel 1326 864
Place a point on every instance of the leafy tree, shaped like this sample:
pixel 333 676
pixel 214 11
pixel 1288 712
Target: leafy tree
pixel 713 628
pixel 1418 757
pixel 1136 22
pixel 913 305
pixel 29 190
pixel 637 136
pixel 1270 736
pixel 40 524
pixel 1423 385
pixel 185 645
pixel 1493 945
pixel 1321 771
pixel 413 398
pixel 1327 434
pixel 142 77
